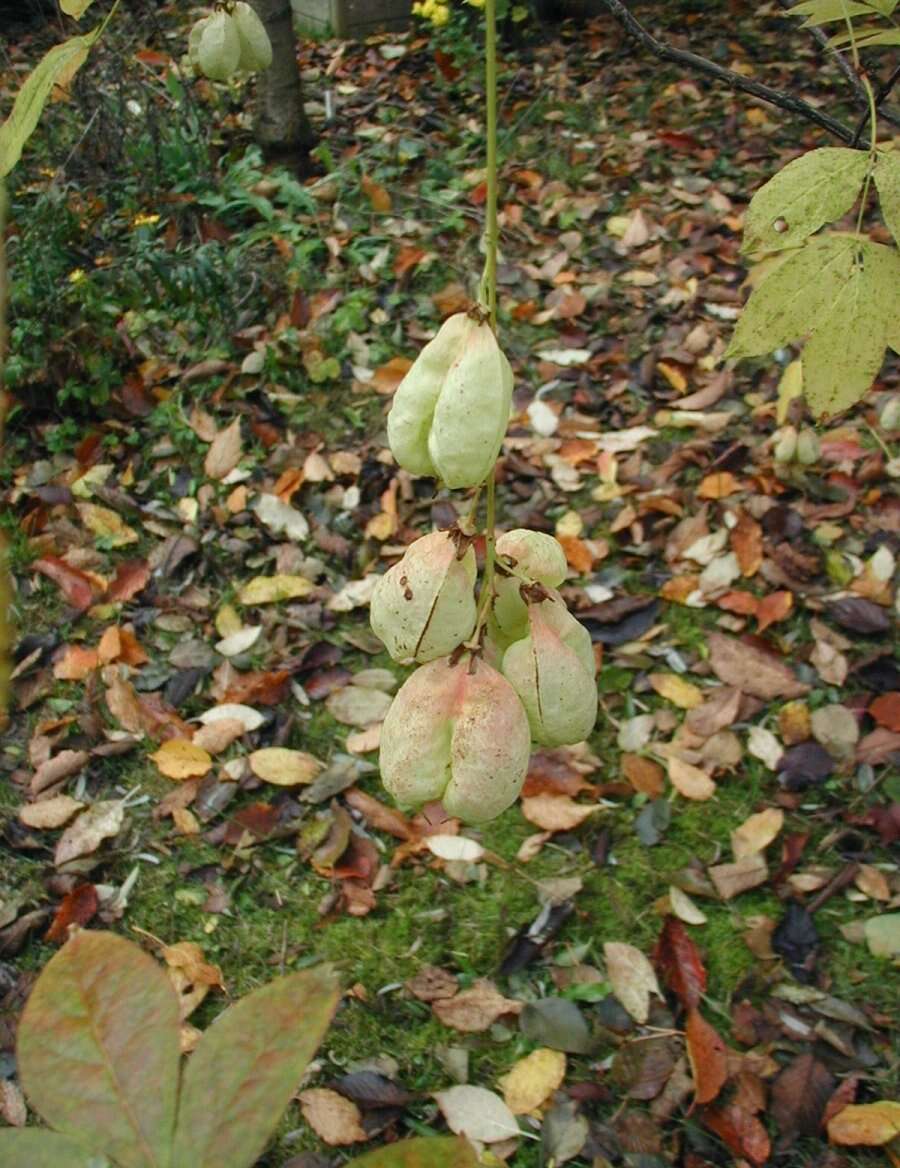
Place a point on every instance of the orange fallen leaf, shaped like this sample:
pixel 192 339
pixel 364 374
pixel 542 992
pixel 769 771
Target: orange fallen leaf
pixel 76 663
pixel 868 1124
pixel 689 780
pixel 718 486
pixel 180 759
pixel 773 608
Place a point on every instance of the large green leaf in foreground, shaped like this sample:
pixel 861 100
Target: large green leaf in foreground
pixel 887 180
pixel 440 1152
pixel 98 1049
pixel 246 1068
pixel 37 1148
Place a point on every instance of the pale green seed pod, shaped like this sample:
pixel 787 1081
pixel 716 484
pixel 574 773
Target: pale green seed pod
pixel 424 606
pixel 256 48
pixel 219 49
pixel 552 671
pixel 890 414
pixel 194 36
pixel 786 446
pixel 457 733
pixel 541 560
pixel 451 410
pixel 809 448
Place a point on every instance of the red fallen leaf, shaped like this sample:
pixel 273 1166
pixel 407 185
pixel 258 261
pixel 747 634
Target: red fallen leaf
pixel 446 64
pixel 324 681
pixel 774 607
pixel 259 819
pixel 799 1095
pixel 76 909
pixel 708 1057
pixel 407 258
pixel 680 142
pixel 678 960
pixel 743 603
pixel 478 194
pixel 131 578
pixel 883 818
pixel 387 377
pixel 886 711
pixel 259 688
pixel 746 541
pixel 360 861
pixel 843 1096
pixel 741 1132
pixel 299 313
pixel 74 584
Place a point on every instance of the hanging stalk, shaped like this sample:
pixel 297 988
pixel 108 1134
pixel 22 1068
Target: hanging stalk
pixel 488 291
pixel 5 588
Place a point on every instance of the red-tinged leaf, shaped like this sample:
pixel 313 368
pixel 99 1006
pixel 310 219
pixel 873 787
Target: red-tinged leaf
pixel 130 579
pixel 74 584
pixel 886 711
pixel 378 196
pixel 98 1049
pixel 799 1095
pixel 681 142
pixel 747 544
pixel 678 960
pixel 247 1067
pixel 708 1057
pixel 425 1152
pixel 76 909
pixel 774 607
pixel 741 1132
pixel 445 63
pixel 379 815
pixel 258 688
pixel 37 1148
pixel 742 603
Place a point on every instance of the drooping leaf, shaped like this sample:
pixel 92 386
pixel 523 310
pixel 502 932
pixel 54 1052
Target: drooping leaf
pixel 887 181
pixel 817 188
pixel 246 1068
pixel 57 66
pixel 425 1152
pixel 846 348
pixel 76 8
pixel 38 1148
pixel 98 1049
pixel 888 36
pixel 792 299
pixel 826 11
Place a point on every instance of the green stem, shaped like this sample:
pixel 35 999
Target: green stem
pixel 489 281
pixel 873 141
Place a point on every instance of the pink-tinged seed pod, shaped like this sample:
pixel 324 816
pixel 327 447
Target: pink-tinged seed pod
pixel 552 671
pixel 457 733
pixel 540 559
pixel 451 410
pixel 424 606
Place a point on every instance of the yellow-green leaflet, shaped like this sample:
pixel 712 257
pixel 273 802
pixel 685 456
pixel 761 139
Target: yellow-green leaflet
pixel 56 67
pixel 76 8
pixel 887 180
pixel 889 36
pixel 809 192
pixel 844 353
pixel 826 11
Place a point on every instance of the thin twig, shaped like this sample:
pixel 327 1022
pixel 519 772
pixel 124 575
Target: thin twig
pixel 777 97
pixel 882 95
pixel 839 59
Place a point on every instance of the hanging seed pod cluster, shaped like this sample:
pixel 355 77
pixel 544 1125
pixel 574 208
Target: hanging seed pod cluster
pixel 230 41
pixel 501 669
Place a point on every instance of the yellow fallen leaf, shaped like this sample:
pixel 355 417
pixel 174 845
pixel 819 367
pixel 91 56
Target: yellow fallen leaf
pixel 756 833
pixel 676 690
pixel 179 758
pixel 228 621
pixel 284 767
pixel 871 1124
pixel 689 780
pixel 270 589
pixel 532 1080
pixel 106 524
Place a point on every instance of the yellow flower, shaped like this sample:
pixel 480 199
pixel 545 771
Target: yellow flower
pixel 77 275
pixel 440 14
pixel 476 3
pixel 143 219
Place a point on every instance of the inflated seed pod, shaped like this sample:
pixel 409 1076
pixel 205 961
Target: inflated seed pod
pixel 541 560
pixel 451 410
pixel 256 48
pixel 552 671
pixel 457 733
pixel 786 445
pixel 808 447
pixel 193 46
pixel 219 49
pixel 890 414
pixel 424 606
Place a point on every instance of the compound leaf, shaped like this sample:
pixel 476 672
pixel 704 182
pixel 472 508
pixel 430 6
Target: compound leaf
pixel 37 1148
pixel 794 296
pixel 98 1049
pixel 809 192
pixel 845 350
pixel 425 1152
pixel 887 180
pixel 865 40
pixel 826 11
pixel 57 67
pixel 247 1067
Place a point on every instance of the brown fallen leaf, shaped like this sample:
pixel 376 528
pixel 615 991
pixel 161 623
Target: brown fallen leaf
pixel 752 669
pixel 77 587
pixel 475 1009
pixel 48 814
pixel 555 812
pixel 757 832
pixel 718 712
pixel 219 735
pixel 731 880
pixel 55 770
pixel 335 1120
pixel 708 1057
pixel 283 767
pixel 799 1095
pixel 224 452
pixel 645 775
pixel 690 781
pixel 99 822
pixel 76 662
pixel 77 908
pixel 632 978
pixel 432 983
pixel 746 539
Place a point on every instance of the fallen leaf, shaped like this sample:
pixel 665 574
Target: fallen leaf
pixel 75 585
pixel 883 935
pixel 55 770
pixel 632 978
pixel 751 669
pixel 224 452
pixel 746 539
pixel 731 880
pixel 532 1080
pixel 556 1023
pixel 676 690
pixel 219 735
pixel 251 719
pixel 49 813
pixel 690 781
pixel 886 711
pixel 355 705
pixel 335 1120
pixel 456 848
pixel 708 1057
pixel 477 1113
pixel 475 1009
pixel 76 663
pixel 645 775
pixel 77 908
pixel 99 822
pixel 867 1124
pixel 272 589
pixel 555 812
pixel 179 759
pixel 757 832
pixel 432 983
pixel 106 525
pixel 773 608
pixel 799 1095
pixel 684 908
pixel 741 1131
pixel 284 767
pixel 679 962
pixel 240 641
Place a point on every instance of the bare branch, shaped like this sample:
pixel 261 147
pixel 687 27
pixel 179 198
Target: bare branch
pixel 839 59
pixel 765 93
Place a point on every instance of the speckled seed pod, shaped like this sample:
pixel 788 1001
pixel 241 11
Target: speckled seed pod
pixel 538 557
pixel 457 733
pixel 552 671
pixel 451 410
pixel 256 48
pixel 424 606
pixel 219 49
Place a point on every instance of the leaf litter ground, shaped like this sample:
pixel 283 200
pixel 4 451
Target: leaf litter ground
pixel 679 947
